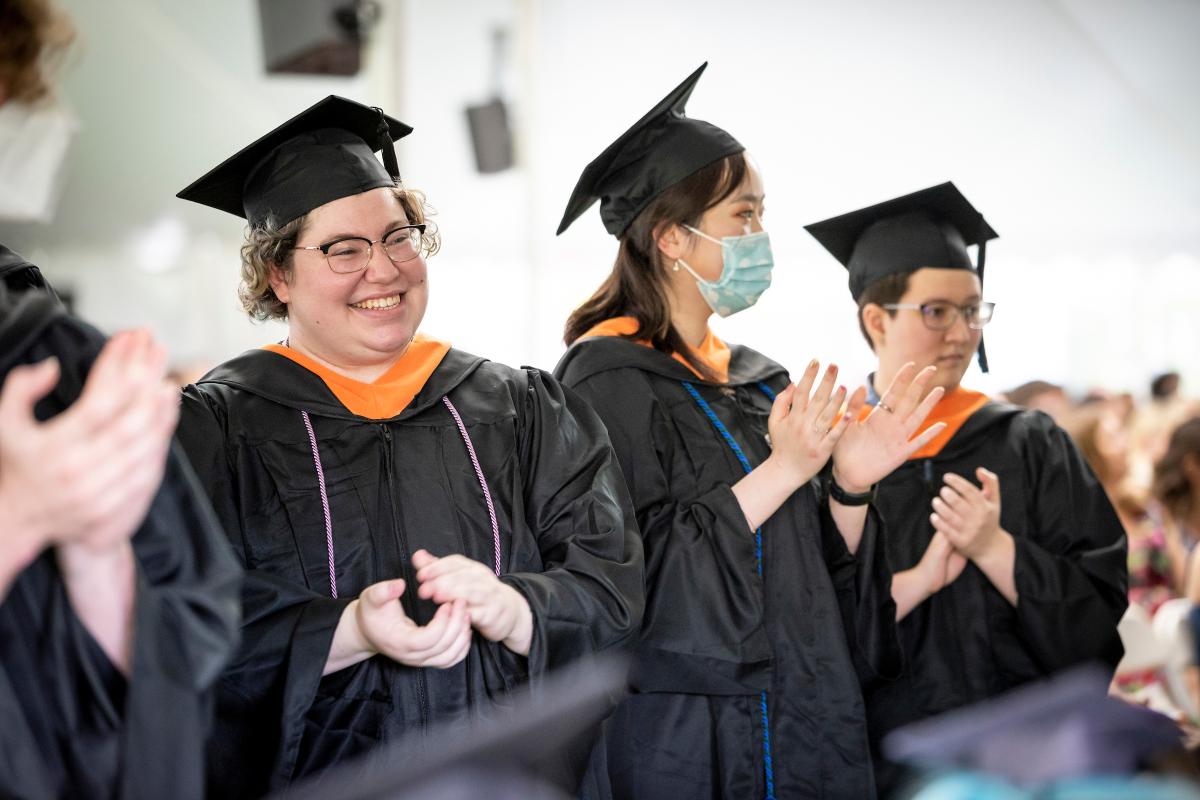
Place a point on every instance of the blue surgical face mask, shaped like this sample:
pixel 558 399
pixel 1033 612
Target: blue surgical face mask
pixel 745 273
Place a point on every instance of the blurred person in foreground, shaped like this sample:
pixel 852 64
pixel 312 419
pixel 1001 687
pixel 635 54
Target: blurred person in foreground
pixel 36 126
pixel 118 597
pixel 1061 738
pixel 1010 559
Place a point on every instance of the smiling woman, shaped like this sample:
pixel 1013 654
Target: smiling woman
pixel 421 529
pixel 267 247
pixel 352 302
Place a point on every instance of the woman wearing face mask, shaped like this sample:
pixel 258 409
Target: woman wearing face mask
pixel 767 595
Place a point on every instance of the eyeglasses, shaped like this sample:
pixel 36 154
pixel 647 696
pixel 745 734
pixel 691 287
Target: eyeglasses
pixel 353 253
pixel 941 315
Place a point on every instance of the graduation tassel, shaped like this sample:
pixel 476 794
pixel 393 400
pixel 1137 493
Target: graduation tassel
pixel 386 148
pixel 982 352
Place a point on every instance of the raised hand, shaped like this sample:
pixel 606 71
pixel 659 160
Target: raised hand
pixel 969 516
pixel 803 428
pixel 872 447
pixel 499 612
pixel 387 630
pixel 87 476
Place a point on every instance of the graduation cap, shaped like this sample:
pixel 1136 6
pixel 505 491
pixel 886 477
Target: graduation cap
pixel 322 154
pixel 929 228
pixel 18 275
pixel 1060 729
pixel 522 753
pixel 661 149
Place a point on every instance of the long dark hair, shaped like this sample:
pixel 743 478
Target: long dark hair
pixel 637 285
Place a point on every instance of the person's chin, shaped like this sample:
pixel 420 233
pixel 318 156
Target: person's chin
pixel 390 338
pixel 950 371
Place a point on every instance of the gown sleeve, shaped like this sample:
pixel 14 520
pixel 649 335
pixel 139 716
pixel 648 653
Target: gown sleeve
pixel 589 596
pixel 150 729
pixel 862 582
pixel 703 630
pixel 287 629
pixel 1071 571
pixel 186 624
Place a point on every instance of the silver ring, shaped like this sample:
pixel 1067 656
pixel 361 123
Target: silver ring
pixel 885 407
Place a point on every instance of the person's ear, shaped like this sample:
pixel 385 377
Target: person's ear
pixel 672 242
pixel 278 281
pixel 874 319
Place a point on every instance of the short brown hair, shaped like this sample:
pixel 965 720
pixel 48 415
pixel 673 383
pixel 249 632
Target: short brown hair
pixel 34 37
pixel 271 246
pixel 885 291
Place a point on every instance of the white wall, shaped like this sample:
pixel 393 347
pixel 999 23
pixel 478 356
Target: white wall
pixel 1073 126
pixel 1085 156
pixel 164 90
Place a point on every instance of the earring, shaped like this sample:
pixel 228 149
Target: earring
pixel 676 267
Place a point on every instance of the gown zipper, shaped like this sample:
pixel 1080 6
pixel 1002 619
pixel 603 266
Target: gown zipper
pixel 410 579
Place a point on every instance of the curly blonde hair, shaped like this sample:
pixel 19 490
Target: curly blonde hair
pixel 272 246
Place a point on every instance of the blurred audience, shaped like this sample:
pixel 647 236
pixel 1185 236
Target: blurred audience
pixel 1177 488
pixel 1042 396
pixel 1146 455
pixel 1157 555
pixel 1165 386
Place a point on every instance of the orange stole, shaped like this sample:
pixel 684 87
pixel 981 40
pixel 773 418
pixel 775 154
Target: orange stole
pixel 712 351
pixel 954 409
pixel 392 391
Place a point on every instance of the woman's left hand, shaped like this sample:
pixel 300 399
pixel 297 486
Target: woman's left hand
pixel 872 447
pixel 969 516
pixel 499 612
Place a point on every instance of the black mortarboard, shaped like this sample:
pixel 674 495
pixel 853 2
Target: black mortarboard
pixel 533 749
pixel 929 228
pixel 661 149
pixel 322 154
pixel 18 274
pixel 1066 727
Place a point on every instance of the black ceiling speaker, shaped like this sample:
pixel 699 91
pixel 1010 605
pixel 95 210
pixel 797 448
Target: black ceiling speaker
pixel 491 134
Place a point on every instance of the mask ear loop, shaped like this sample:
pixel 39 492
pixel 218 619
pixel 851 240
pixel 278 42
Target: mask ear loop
pixel 704 235
pixel 680 261
pixel 692 272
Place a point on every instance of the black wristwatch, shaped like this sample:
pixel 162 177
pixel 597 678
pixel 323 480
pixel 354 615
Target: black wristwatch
pixel 839 494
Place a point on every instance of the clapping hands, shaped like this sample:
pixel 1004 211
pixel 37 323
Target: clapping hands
pixel 872 447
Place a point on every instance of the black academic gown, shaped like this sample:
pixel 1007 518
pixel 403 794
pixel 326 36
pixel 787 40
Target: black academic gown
pixel 568 544
pixel 70 723
pixel 716 635
pixel 967 643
